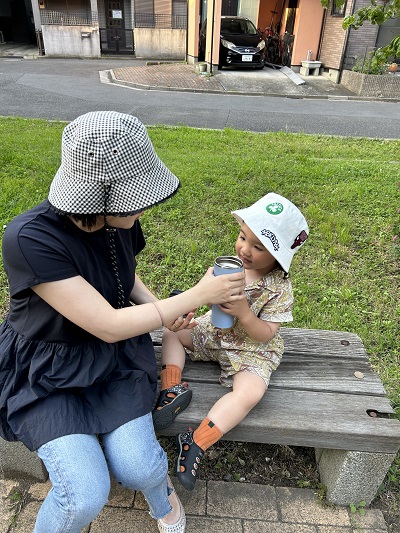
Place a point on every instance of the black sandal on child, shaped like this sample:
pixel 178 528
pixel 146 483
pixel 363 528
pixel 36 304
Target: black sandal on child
pixel 188 461
pixel 170 403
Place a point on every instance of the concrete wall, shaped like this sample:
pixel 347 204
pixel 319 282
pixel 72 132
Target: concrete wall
pixel 160 43
pixel 377 86
pixel 67 41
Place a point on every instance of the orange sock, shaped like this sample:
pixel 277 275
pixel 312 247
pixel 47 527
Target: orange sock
pixel 206 434
pixel 170 375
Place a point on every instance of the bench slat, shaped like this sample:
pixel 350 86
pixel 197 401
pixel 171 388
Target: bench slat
pixel 301 372
pixel 314 342
pixel 323 342
pixel 303 418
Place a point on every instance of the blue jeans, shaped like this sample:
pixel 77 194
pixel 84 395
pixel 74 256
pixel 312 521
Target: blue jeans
pixel 79 472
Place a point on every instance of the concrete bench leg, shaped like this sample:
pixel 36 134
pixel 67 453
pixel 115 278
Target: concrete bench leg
pixel 16 461
pixel 352 477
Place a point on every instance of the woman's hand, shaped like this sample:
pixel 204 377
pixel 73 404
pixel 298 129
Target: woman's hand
pixel 221 289
pixel 181 322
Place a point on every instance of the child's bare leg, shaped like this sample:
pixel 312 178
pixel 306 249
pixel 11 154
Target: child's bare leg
pixel 173 347
pixel 247 391
pixel 226 413
pixel 174 396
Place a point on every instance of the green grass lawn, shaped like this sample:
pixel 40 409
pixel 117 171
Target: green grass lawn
pixel 346 277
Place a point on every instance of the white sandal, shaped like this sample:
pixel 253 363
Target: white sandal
pixel 179 526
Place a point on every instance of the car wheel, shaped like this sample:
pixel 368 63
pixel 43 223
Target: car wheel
pixel 259 67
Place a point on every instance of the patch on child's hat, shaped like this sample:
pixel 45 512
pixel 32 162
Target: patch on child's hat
pixel 275 208
pixel 299 240
pixel 272 237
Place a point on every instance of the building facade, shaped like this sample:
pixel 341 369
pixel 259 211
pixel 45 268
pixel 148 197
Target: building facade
pixel 295 30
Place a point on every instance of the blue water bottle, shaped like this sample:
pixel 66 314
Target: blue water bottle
pixel 226 264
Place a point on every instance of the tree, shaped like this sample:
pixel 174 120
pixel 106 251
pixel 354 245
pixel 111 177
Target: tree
pixel 375 14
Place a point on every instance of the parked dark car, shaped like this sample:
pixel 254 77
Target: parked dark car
pixel 241 44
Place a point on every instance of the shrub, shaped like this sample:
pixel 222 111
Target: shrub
pixel 369 65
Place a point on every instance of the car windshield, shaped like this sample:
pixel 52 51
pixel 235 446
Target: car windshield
pixel 238 27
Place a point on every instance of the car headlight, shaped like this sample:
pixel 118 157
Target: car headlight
pixel 228 44
pixel 261 45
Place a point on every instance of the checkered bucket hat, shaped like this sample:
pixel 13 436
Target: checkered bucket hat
pixel 278 224
pixel 109 165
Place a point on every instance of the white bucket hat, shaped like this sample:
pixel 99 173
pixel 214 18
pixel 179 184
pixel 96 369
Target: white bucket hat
pixel 278 224
pixel 109 165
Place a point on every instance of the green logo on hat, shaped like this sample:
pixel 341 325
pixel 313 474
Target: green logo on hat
pixel 274 208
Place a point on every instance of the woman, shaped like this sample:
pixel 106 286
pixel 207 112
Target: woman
pixel 77 367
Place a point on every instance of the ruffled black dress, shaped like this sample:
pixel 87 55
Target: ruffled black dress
pixel 55 378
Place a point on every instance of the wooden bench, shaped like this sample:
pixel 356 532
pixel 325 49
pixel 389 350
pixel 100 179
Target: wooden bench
pixel 324 395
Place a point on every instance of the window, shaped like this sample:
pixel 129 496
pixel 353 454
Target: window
pixel 338 11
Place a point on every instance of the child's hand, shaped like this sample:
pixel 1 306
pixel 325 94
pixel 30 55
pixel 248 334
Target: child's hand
pixel 256 328
pixel 240 308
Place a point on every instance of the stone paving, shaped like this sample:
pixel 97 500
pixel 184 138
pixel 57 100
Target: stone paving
pixel 268 82
pixel 226 507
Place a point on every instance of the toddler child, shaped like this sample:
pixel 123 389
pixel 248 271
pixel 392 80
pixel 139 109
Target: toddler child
pixel 271 231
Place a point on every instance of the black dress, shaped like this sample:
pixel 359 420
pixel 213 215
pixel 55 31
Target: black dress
pixel 55 378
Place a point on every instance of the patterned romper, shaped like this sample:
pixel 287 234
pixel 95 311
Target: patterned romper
pixel 271 299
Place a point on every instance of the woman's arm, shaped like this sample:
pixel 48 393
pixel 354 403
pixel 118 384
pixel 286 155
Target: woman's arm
pixel 140 294
pixel 80 303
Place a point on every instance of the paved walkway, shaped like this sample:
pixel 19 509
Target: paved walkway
pixel 267 82
pixel 213 506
